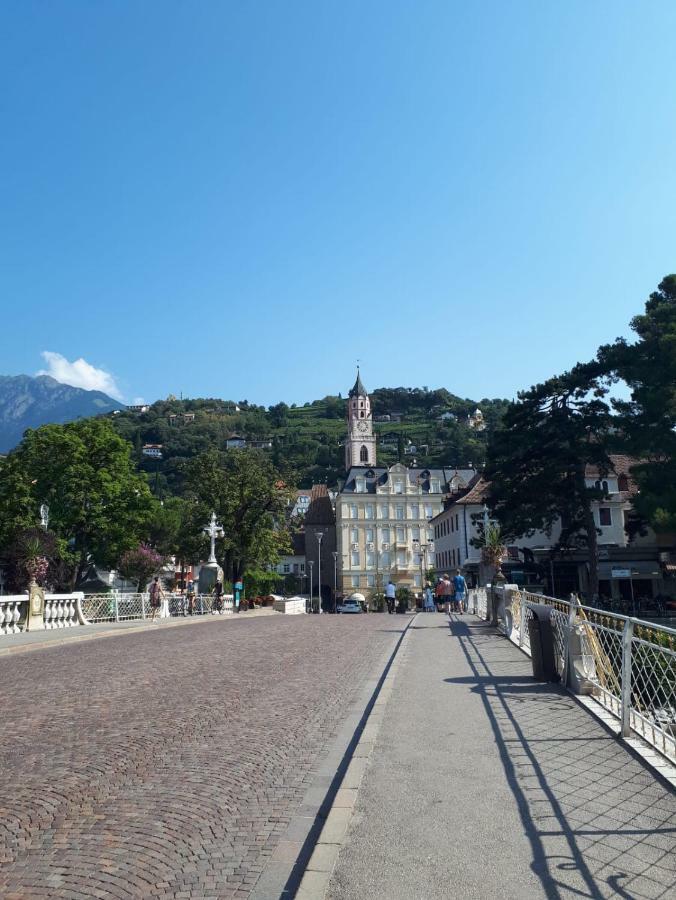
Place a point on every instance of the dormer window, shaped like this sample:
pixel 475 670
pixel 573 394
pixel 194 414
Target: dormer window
pixel 623 483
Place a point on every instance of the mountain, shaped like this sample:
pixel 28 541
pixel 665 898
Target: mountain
pixel 27 402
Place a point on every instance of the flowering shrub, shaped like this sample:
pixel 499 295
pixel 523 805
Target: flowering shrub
pixel 140 564
pixel 36 568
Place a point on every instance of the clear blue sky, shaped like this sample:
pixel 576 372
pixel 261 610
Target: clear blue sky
pixel 239 199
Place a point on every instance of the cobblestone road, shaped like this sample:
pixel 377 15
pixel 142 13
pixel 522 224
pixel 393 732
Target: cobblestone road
pixel 168 763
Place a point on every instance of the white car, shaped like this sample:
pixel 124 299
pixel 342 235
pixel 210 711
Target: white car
pixel 350 605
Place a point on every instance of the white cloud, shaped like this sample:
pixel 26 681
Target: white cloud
pixel 80 373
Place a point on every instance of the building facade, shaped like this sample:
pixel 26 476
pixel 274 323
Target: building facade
pixel 628 568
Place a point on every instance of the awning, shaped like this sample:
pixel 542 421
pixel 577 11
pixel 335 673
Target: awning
pixel 639 569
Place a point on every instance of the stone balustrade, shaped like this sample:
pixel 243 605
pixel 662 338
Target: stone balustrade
pixel 61 611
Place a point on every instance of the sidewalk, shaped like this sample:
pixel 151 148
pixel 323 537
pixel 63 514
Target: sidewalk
pixel 485 784
pixel 38 640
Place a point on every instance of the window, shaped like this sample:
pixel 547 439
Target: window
pixel 451 520
pixel 401 533
pixel 354 535
pixel 355 581
pixel 398 486
pixel 370 581
pixel 363 454
pixel 368 511
pixel 385 559
pixel 354 558
pixel 369 534
pixel 370 559
pixel 399 512
pixel 415 511
pixel 385 535
pixel 416 580
pixel 456 522
pixel 302 568
pixel 623 483
pixel 401 558
pixel 353 511
pixel 415 532
pixel 361 485
pixel 287 568
pixel 435 531
pixel 428 510
pixel 384 510
pixel 605 517
pixel 435 486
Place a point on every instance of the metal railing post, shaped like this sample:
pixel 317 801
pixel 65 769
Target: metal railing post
pixel 522 616
pixel 117 606
pixel 627 635
pixel 572 616
pixel 143 606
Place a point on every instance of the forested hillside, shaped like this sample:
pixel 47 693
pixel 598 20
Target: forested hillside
pixel 308 439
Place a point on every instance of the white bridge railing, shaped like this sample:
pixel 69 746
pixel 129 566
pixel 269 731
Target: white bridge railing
pixel 119 607
pixel 626 664
pixel 69 610
pixel 61 611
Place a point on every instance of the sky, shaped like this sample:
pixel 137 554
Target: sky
pixel 242 199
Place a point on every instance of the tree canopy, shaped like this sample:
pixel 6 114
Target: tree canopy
pixel 99 505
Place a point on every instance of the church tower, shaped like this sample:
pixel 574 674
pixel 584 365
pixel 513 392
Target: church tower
pixel 360 446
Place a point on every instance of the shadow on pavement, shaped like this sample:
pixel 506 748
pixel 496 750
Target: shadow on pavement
pixel 598 824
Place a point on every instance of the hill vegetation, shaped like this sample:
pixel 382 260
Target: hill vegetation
pixel 308 440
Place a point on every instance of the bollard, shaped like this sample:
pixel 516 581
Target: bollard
pixel 542 650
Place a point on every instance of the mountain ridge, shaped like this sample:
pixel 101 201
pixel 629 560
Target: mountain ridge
pixel 28 401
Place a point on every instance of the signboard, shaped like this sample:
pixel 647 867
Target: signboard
pixel 620 573
pixel 155 452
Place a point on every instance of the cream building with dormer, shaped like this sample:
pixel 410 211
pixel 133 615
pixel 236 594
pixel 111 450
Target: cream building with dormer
pixel 383 513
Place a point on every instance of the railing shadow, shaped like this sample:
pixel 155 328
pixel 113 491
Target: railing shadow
pixel 597 825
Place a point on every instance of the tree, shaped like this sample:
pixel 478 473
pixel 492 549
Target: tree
pixel 249 496
pixel 648 419
pixel 537 460
pixel 139 564
pixel 99 506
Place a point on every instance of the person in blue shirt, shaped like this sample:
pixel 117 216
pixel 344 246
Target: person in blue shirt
pixel 460 596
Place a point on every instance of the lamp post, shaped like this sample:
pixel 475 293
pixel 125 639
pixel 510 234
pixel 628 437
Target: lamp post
pixel 319 535
pixel 334 554
pixel 311 564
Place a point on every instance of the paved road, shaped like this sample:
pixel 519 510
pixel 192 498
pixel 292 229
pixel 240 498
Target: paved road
pixel 484 784
pixel 167 763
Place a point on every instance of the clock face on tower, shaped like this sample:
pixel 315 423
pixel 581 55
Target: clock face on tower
pixel 362 427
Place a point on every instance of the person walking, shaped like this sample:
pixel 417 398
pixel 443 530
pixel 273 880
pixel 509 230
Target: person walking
pixel 428 599
pixel 439 594
pixel 447 594
pixel 156 594
pixel 218 597
pixel 459 592
pixel 390 596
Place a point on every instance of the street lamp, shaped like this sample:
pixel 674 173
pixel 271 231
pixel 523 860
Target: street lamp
pixel 334 554
pixel 319 535
pixel 311 564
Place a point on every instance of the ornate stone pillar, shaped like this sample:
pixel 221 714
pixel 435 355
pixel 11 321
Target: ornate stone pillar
pixel 35 618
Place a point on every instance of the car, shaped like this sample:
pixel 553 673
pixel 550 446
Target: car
pixel 349 605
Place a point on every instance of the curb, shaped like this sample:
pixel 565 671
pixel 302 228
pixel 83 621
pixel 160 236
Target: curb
pixel 342 765
pixel 69 637
pixel 315 881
